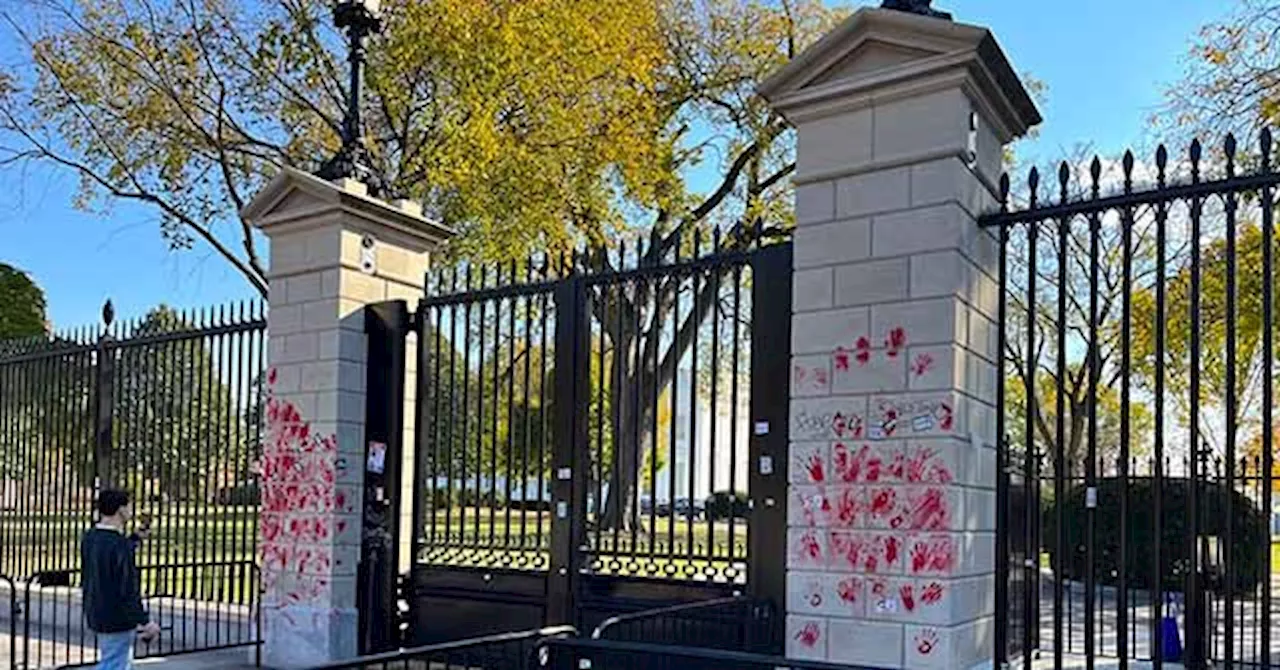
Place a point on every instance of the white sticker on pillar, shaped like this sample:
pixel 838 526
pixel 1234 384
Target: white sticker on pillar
pixel 912 415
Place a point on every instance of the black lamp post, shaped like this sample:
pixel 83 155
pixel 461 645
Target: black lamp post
pixel 915 7
pixel 360 18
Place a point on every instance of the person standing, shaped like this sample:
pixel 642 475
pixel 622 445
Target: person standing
pixel 111 585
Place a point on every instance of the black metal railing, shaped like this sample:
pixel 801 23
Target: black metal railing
pixel 167 407
pixel 12 610
pixel 1138 340
pixel 508 651
pixel 738 624
pixel 575 653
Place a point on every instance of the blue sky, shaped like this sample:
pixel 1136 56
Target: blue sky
pixel 1106 62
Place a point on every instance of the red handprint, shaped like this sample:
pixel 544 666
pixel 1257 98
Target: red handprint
pixel 945 416
pixel 848 509
pixel 894 343
pixel 817 473
pixel 908 598
pixel 891 550
pixel 863 349
pixel 922 364
pixel 840 359
pixel 809 634
pixel 929 511
pixel 926 641
pixel 931 594
pixel 849 589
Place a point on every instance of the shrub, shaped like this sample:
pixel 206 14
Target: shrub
pixel 1250 539
pixel 728 504
pixel 244 493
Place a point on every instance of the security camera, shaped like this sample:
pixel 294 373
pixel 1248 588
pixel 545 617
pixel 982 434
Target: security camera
pixel 368 259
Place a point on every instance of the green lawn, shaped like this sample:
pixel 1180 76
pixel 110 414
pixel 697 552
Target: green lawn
pixel 195 552
pixel 207 552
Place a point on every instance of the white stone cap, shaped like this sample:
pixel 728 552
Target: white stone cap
pixel 881 55
pixel 296 200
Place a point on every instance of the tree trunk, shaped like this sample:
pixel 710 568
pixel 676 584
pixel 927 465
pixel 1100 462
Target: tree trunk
pixel 649 383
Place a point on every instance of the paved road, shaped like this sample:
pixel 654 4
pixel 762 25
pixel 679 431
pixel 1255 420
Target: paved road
pixel 1247 626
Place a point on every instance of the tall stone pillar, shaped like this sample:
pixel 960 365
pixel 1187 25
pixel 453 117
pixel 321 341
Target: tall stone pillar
pixel 901 122
pixel 334 250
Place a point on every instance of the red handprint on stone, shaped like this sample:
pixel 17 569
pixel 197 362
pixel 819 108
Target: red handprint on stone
pixel 908 598
pixel 926 641
pixel 931 594
pixel 809 635
pixel 863 349
pixel 895 342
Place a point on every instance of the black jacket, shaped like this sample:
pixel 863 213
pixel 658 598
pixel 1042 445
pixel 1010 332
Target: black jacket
pixel 112 593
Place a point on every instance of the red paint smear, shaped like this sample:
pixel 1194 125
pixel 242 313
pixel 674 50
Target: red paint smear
pixel 848 547
pixel 849 589
pixel 929 511
pixel 895 342
pixel 841 359
pixel 809 547
pixel 891 550
pixel 816 471
pixel 882 502
pixel 908 598
pixel 863 348
pixel 889 421
pixel 946 420
pixel 847 509
pixel 926 641
pixel 926 466
pixel 808 636
pixel 922 364
pixel 919 556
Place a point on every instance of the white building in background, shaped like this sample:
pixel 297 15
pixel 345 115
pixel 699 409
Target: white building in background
pixel 717 465
pixel 718 462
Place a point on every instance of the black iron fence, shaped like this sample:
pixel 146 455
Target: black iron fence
pixel 1139 341
pixel 167 407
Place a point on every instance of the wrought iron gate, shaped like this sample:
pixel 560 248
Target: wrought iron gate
pixel 584 430
pixel 1137 326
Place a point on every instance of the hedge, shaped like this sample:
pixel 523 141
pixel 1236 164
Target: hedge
pixel 1250 535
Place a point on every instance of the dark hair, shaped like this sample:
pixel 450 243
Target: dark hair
pixel 111 500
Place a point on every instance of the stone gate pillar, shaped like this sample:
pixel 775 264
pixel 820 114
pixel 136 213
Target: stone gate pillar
pixel 901 122
pixel 334 250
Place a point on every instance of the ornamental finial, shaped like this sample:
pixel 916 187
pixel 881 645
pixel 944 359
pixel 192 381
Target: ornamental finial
pixel 920 7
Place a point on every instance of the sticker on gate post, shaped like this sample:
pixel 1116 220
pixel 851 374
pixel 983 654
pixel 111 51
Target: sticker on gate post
pixel 377 463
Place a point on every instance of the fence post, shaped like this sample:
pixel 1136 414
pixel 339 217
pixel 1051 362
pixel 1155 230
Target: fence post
pixel 771 289
pixel 386 325
pixel 104 382
pixel 334 250
pixel 901 121
pixel 569 463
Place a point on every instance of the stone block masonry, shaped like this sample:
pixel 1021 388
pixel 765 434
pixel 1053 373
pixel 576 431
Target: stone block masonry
pixel 333 251
pixel 891 505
